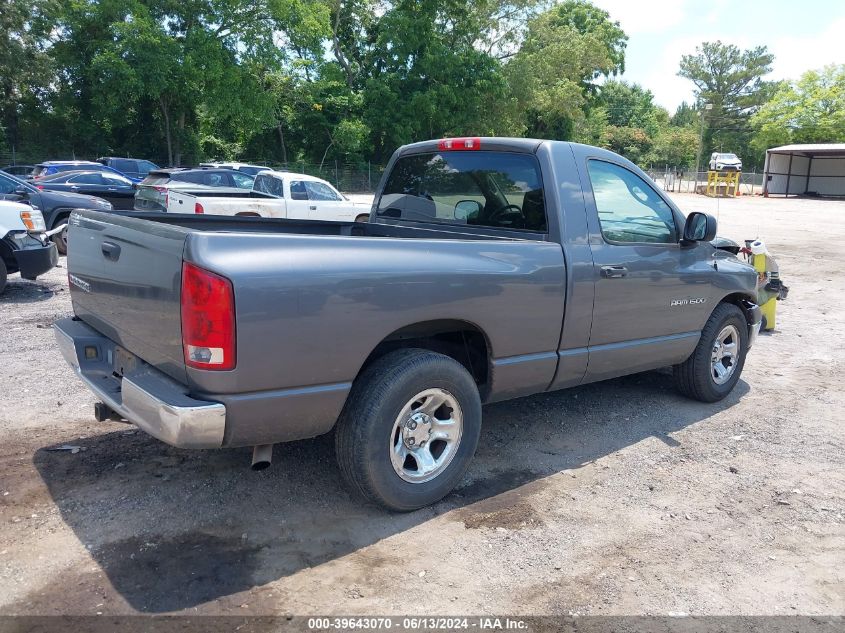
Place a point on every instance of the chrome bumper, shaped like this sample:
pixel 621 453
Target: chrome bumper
pixel 153 402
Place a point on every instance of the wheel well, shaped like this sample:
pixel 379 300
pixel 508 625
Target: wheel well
pixel 58 216
pixel 460 340
pixel 741 301
pixel 8 258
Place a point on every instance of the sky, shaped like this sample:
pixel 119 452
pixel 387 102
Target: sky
pixel 801 35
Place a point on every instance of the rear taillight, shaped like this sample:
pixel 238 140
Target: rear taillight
pixel 457 144
pixel 166 193
pixel 198 208
pixel 208 319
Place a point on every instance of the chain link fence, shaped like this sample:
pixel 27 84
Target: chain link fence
pixel 678 180
pixel 346 177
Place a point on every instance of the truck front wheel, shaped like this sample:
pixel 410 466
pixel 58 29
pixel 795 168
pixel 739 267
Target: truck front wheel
pixel 714 368
pixel 409 429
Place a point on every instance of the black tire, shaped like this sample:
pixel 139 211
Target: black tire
pixel 695 376
pixel 60 239
pixel 378 396
pixel 4 274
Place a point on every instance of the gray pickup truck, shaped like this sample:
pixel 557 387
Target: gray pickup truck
pixel 490 269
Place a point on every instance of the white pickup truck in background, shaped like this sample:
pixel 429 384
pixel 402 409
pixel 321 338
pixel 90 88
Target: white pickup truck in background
pixel 275 194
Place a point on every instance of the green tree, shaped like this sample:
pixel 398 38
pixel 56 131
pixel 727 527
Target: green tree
pixel 553 75
pixel 810 110
pixel 630 105
pixel 674 146
pixel 732 80
pixel 686 115
pixel 24 64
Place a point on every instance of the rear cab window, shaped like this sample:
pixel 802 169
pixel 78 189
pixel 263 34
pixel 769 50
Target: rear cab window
pixel 270 185
pixel 477 188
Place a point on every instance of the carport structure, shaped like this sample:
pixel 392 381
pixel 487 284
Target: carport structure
pixel 816 170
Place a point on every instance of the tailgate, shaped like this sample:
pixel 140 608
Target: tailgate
pixel 125 276
pixel 181 202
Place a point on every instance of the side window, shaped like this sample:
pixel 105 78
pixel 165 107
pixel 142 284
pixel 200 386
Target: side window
pixel 629 209
pixel 113 180
pixel 196 178
pixel 144 167
pixel 216 180
pixel 297 190
pixel 7 185
pixel 86 179
pixel 320 191
pixel 126 166
pixel 242 181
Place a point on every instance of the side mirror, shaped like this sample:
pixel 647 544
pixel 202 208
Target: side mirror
pixel 466 209
pixel 699 227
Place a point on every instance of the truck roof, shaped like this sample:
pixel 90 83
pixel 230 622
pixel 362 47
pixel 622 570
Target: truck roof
pixel 495 143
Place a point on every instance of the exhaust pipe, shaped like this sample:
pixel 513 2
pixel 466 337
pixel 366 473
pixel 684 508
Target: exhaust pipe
pixel 262 455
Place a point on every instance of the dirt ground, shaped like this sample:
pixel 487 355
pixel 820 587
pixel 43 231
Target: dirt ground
pixel 616 498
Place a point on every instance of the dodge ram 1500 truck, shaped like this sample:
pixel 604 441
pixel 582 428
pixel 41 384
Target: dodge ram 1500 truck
pixel 490 269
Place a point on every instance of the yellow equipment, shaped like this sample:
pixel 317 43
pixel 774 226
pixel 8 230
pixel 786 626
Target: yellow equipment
pixel 769 286
pixel 722 183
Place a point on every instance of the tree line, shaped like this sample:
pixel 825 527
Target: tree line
pixel 180 81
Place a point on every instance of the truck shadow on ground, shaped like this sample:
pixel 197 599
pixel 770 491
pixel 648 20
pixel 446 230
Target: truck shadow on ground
pixel 174 529
pixel 24 291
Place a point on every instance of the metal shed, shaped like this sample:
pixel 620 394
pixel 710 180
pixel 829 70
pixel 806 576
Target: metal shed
pixel 817 169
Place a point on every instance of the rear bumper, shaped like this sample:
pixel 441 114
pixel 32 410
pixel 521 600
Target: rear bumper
pixel 146 397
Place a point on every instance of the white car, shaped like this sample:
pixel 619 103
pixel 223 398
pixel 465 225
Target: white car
pixel 275 194
pixel 725 162
pixel 24 244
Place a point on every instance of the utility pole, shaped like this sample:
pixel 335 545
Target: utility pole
pixel 707 106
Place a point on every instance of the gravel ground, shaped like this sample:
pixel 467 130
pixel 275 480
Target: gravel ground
pixel 615 498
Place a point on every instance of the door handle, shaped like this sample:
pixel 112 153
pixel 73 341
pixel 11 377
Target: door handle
pixel 110 250
pixel 613 271
pixel 313 207
pixel 74 187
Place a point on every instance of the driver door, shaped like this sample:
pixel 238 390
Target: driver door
pixel 651 295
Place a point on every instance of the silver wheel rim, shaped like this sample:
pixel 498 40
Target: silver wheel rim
pixel 426 435
pixel 725 355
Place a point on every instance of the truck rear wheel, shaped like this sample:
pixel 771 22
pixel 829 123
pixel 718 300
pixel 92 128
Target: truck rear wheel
pixel 714 368
pixel 409 429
